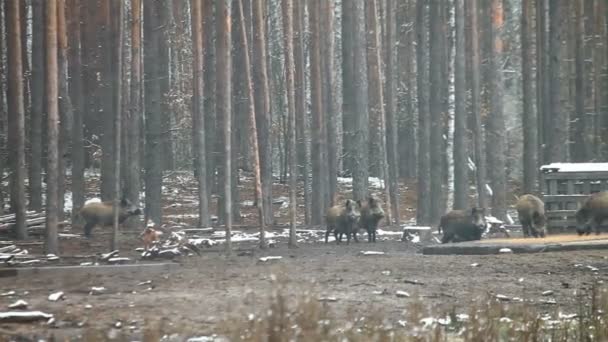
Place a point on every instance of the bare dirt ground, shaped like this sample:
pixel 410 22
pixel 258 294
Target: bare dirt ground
pixel 199 296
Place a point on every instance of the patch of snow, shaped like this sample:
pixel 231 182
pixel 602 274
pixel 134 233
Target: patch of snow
pixel 93 200
pixel 471 164
pixel 575 167
pixel 489 190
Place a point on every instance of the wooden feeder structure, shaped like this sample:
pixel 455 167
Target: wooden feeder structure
pixel 565 186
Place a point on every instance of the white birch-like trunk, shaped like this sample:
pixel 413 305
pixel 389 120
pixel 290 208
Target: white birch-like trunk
pixel 451 112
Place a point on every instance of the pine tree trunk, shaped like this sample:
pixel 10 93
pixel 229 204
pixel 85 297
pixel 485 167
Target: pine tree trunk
pixel 480 162
pixel 542 87
pixel 599 65
pixel 198 115
pixel 529 120
pixel 211 127
pixel 16 115
pixel 52 108
pixel 301 112
pixel 330 110
pixel 262 105
pixel 348 98
pixel 116 24
pixel 579 148
pixel 153 96
pixel 423 214
pixel 558 149
pixel 37 108
pixel 65 105
pixel 360 102
pixel 76 94
pixel 107 118
pixel 436 34
pixel 496 123
pixel 461 180
pixel 223 106
pixel 3 104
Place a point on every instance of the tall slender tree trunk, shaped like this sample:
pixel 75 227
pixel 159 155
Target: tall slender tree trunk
pixel 436 108
pixel 461 181
pixel 198 115
pixel 330 110
pixel 391 126
pixel 558 149
pixel 223 22
pixel 52 107
pixel 542 80
pixel 360 102
pixel 76 94
pixel 262 103
pixel 209 99
pixel 480 162
pixel 301 112
pixel 529 120
pixel 37 108
pixel 496 122
pixel 580 149
pixel 117 11
pixel 287 7
pixel 599 65
pixel 423 214
pixel 348 97
pixel 376 98
pixel 134 115
pixel 3 104
pixel 153 96
pixel 65 104
pixel 318 138
pixel 107 118
pixel 16 115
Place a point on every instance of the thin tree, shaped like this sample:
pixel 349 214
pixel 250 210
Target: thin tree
pixel 599 65
pixel 480 165
pixel 262 105
pixel 3 104
pixel 423 215
pixel 558 148
pixel 16 115
pixel 581 147
pixel 436 34
pixel 35 122
pixel 542 80
pixel 376 96
pixel 223 105
pixel 198 115
pixel 461 183
pixel 390 124
pixel 348 97
pixel 52 107
pixel 360 101
pixel 287 7
pixel 108 178
pixel 76 94
pixel 318 175
pixel 529 120
pixel 331 128
pixel 302 121
pixel 153 97
pixel 65 103
pixel 134 118
pixel 117 37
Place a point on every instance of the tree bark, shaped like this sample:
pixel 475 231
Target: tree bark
pixel 153 96
pixel 223 105
pixel 287 7
pixel 262 103
pixel 558 149
pixel 198 115
pixel 16 115
pixel 542 87
pixel 361 117
pixel 496 122
pixel 423 214
pixel 330 110
pixel 461 180
pixel 348 97
pixel 3 104
pixel 209 99
pixel 117 11
pixel 580 149
pixel 107 118
pixel 302 121
pixel 529 120
pixel 52 107
pixel 436 34
pixel 480 163
pixel 37 108
pixel 76 94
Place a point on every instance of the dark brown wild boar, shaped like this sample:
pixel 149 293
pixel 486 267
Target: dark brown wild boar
pixel 342 219
pixel 462 225
pixel 531 212
pixel 371 214
pixel 101 214
pixel 592 213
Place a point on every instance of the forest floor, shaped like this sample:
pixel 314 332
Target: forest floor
pixel 210 293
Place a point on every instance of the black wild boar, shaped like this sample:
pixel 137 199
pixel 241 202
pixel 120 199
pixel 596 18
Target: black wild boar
pixel 462 225
pixel 342 219
pixel 371 214
pixel 531 212
pixel 592 213
pixel 101 214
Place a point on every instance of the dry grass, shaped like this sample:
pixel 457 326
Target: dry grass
pixel 549 239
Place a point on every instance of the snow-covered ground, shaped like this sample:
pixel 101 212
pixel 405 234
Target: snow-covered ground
pixel 575 167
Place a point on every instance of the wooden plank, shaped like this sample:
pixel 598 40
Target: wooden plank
pixel 66 271
pixel 553 186
pixel 466 248
pixel 564 198
pixel 577 175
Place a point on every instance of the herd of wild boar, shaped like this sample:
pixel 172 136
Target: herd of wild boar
pixel 348 217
